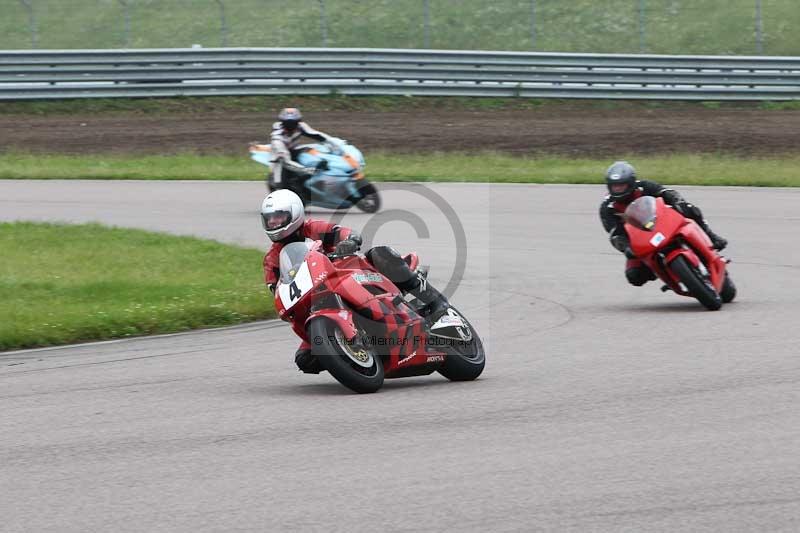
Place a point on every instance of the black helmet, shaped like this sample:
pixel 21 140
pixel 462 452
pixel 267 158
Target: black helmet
pixel 620 180
pixel 290 117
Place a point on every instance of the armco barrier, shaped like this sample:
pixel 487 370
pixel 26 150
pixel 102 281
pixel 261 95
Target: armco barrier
pixel 262 71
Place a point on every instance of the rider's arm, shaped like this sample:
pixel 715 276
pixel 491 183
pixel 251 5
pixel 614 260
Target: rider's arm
pixel 308 131
pixel 278 143
pixel 330 234
pixel 272 269
pixel 670 196
pixel 614 225
pixel 319 136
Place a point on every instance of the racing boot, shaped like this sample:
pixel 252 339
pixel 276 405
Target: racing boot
pixel 717 242
pixel 306 361
pixel 434 301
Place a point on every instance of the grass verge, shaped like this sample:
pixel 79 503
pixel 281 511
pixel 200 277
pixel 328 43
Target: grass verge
pixel 70 283
pixel 338 102
pixel 689 169
pixel 618 26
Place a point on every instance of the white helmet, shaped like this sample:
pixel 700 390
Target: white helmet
pixel 282 214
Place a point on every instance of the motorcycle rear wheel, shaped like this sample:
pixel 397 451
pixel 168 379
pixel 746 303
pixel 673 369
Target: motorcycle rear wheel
pixel 697 286
pixel 353 365
pixel 464 362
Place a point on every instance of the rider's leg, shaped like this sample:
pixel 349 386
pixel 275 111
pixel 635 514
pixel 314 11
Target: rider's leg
pixel 637 273
pixel 285 177
pixel 389 263
pixel 693 212
pixel 277 174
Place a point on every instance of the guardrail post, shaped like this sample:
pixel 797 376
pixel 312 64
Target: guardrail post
pixel 642 43
pixel 533 24
pixel 759 29
pixel 223 23
pixel 32 24
pixel 426 16
pixel 126 14
pixel 323 23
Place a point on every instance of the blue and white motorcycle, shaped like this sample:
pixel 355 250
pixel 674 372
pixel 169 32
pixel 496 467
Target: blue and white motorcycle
pixel 338 183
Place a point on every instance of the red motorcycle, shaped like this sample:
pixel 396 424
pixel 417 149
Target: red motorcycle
pixel 362 328
pixel 679 252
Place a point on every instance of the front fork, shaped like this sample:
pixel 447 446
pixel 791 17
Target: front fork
pixel 333 308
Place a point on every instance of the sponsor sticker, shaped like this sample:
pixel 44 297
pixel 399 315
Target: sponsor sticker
pixel 435 359
pixel 657 239
pixel 449 320
pixel 407 358
pixel 369 277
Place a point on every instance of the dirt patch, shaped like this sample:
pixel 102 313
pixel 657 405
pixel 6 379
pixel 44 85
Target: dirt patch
pixel 567 130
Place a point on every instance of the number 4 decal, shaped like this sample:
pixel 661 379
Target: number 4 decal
pixel 294 291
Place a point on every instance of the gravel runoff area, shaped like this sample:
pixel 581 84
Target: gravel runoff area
pixel 569 129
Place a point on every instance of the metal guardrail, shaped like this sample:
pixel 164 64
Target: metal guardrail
pixel 263 71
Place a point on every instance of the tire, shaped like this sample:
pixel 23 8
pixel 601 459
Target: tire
pixel 371 202
pixel 460 366
pixel 336 357
pixel 728 292
pixel 697 286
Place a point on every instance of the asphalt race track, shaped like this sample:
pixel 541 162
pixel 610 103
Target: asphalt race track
pixel 602 407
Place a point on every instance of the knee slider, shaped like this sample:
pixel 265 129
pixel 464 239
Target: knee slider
pixel 637 276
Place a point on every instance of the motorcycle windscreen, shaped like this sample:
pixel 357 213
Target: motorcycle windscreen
pixel 291 259
pixel 641 213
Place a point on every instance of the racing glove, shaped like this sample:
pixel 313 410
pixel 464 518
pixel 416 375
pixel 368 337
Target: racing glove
pixel 355 237
pixel 346 247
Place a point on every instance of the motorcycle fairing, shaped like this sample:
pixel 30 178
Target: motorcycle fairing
pixel 680 237
pixel 333 188
pixel 373 306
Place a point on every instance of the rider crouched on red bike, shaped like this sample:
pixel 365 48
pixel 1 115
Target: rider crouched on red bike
pixel 284 221
pixel 623 188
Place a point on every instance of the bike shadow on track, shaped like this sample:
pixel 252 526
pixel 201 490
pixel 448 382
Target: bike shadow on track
pixel 334 388
pixel 659 308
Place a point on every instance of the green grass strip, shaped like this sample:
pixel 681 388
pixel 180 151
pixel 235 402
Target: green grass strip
pixel 70 283
pixel 686 169
pixel 202 105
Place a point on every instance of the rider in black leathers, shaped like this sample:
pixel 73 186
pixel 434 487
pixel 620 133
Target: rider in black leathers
pixel 623 188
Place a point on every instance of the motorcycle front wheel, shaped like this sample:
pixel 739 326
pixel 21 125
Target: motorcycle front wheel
pixel 697 285
pixel 465 359
pixel 728 292
pixel 371 200
pixel 352 364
